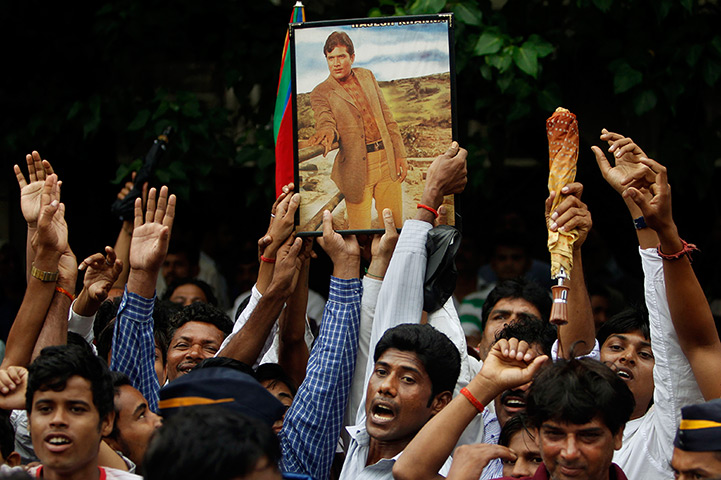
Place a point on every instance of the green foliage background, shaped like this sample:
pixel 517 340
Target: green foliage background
pixel 90 88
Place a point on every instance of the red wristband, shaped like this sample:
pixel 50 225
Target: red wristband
pixel 65 292
pixel 266 259
pixel 685 250
pixel 430 209
pixel 474 401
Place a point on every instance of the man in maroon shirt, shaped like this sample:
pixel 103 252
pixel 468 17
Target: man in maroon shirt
pixel 579 408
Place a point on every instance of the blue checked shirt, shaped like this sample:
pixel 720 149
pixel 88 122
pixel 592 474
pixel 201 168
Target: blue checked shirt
pixel 134 345
pixel 312 424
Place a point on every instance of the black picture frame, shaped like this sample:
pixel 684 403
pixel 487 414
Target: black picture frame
pixel 411 59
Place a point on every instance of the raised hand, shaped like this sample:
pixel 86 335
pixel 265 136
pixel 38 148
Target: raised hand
pixel 343 251
pixel 101 272
pixel 446 175
pixel 52 231
pixel 150 237
pixel 31 188
pixel 656 211
pixel 571 213
pixel 510 363
pixel 287 268
pixel 282 223
pixel 382 247
pixel 628 170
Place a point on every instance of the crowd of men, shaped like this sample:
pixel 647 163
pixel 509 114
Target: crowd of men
pixel 116 383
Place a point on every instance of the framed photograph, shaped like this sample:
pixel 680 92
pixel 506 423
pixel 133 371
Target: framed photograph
pixel 373 103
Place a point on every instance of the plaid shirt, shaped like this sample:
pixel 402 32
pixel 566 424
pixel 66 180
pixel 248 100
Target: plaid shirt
pixel 134 345
pixel 312 424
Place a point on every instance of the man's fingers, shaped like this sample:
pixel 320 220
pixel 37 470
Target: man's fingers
pixel 293 204
pixel 47 213
pixel 637 198
pixel 567 204
pixel 48 168
pixel 628 148
pixel 617 144
pixel 327 225
pixel 283 207
pixel 578 218
pixel 452 150
pixel 38 166
pixel 443 212
pixel 549 203
pixel 5 382
pixel 295 248
pixel 170 212
pixel 536 365
pixel 575 189
pixel 32 177
pixel 162 205
pixel 138 213
pixel 388 222
pixel 16 374
pixel 92 260
pixel 610 137
pixel 601 160
pixel 110 255
pixel 20 177
pixel 150 210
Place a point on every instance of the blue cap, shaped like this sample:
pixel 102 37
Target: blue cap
pixel 700 428
pixel 225 387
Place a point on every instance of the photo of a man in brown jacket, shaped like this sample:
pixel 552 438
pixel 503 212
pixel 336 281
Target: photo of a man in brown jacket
pixel 349 109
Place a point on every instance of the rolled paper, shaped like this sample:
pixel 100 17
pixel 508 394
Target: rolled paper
pixel 559 311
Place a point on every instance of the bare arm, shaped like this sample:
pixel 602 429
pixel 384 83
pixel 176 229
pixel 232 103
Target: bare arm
pixel 49 241
pixel 293 354
pixel 30 195
pixel 125 235
pixel 55 327
pixel 690 312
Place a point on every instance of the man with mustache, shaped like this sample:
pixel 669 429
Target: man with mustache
pixel 579 408
pixel 198 331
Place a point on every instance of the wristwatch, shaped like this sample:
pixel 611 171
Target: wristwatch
pixel 44 276
pixel 639 223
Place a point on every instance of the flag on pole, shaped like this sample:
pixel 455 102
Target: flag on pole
pixel 283 116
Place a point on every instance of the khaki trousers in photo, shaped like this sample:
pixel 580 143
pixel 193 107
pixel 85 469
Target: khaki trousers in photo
pixel 379 186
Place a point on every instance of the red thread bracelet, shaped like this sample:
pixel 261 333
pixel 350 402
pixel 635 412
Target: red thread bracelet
pixel 686 250
pixel 65 292
pixel 474 401
pixel 430 209
pixel 266 259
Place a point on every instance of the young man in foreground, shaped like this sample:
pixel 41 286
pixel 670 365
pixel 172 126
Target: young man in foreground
pixel 69 401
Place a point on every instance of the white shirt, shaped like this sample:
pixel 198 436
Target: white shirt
pixel 648 440
pixel 355 467
pixel 110 474
pixel 270 351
